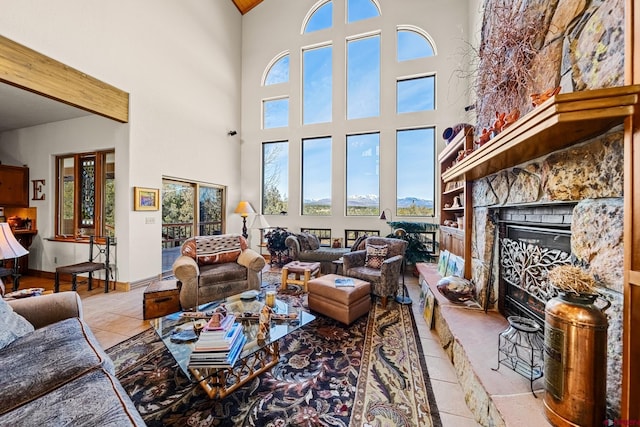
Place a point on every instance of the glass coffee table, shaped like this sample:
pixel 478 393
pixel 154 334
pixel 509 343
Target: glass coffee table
pixel 258 356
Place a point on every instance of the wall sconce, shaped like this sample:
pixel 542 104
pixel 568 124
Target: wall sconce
pixel 232 132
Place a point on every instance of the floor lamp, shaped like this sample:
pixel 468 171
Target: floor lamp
pixel 260 223
pixel 401 233
pixel 10 248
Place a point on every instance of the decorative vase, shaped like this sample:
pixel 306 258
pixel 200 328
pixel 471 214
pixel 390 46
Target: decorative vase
pixel 456 289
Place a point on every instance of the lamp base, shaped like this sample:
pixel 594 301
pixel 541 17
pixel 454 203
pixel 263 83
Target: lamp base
pixel 404 300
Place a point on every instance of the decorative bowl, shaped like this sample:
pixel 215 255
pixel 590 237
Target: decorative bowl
pixel 456 289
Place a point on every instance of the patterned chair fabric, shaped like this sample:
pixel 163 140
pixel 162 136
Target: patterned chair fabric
pixel 384 281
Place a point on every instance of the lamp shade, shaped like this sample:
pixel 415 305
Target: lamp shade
pixel 260 223
pixel 244 208
pixel 9 246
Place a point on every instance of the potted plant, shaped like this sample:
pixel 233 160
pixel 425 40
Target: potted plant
pixel 418 242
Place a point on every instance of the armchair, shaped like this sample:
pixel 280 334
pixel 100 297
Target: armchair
pixel 384 280
pixel 215 267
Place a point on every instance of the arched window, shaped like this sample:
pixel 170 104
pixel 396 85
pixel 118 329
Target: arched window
pixel 278 70
pixel 413 43
pixel 358 10
pixel 320 17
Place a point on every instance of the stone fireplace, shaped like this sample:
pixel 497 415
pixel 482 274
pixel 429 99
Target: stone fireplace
pixel 562 207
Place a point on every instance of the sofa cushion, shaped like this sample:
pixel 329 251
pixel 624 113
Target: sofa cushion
pixel 218 249
pixel 12 325
pixel 95 398
pixel 376 254
pixel 47 358
pixel 218 273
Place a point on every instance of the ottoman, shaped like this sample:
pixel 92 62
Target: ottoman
pixel 344 304
pixel 298 268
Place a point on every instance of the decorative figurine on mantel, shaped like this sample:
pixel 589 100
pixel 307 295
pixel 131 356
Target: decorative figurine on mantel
pixel 539 98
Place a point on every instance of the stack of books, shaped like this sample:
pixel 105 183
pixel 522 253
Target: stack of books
pixel 219 346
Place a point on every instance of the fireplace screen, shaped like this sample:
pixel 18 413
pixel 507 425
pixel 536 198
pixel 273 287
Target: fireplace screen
pixel 527 254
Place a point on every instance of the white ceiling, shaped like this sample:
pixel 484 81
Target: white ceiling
pixel 20 109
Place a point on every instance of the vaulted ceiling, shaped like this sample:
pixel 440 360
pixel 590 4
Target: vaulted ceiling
pixel 245 6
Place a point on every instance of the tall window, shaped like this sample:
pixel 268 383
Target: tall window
pixel 316 176
pixel 275 177
pixel 85 195
pixel 363 174
pixel 363 77
pixel 415 180
pixel 317 83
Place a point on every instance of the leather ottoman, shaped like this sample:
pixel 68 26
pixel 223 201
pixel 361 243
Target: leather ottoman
pixel 344 304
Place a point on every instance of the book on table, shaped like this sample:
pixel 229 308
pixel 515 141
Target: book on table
pixel 213 341
pixel 219 359
pixel 344 282
pixel 226 323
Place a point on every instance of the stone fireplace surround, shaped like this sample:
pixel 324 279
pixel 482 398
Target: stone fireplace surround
pixel 581 186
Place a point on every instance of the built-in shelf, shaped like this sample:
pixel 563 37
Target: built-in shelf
pixel 561 121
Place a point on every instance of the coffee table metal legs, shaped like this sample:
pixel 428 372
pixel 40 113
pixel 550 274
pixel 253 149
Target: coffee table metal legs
pixel 220 382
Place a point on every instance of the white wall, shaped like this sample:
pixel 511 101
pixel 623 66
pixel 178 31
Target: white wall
pixel 181 64
pixel 447 22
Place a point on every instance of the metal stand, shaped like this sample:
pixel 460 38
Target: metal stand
pixel 404 298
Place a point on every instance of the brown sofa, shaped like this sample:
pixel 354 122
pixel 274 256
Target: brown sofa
pixel 215 267
pixel 54 371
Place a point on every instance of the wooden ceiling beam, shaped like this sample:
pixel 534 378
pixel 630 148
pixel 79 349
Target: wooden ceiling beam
pixel 245 6
pixel 27 69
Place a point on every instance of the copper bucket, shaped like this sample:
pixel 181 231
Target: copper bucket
pixel 575 360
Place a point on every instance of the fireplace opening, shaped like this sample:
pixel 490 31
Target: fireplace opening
pixel 530 245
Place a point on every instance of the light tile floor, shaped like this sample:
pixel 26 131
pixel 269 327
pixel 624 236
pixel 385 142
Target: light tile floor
pixel 117 316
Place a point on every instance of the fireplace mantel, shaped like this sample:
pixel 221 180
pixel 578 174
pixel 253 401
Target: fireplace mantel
pixel 561 121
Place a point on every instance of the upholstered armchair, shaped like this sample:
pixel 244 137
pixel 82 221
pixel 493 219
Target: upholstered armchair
pixel 215 267
pixel 379 263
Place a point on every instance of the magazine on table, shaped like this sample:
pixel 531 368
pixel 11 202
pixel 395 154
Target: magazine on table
pixel 344 282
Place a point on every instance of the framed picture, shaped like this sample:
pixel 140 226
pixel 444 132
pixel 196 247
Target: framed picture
pixel 443 261
pixel 429 305
pixel 146 199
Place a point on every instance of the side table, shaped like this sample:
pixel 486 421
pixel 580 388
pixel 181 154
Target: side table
pixel 305 269
pixel 161 298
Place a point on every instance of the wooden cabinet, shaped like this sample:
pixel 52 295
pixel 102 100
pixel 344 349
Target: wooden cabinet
pixel 14 186
pixel 455 202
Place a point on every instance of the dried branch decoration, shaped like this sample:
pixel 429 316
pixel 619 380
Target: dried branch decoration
pixel 511 42
pixel 572 279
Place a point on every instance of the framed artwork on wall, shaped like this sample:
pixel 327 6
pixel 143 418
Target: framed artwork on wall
pixel 146 199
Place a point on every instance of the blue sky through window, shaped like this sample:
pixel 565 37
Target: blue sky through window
pixel 322 18
pixel 415 167
pixel 363 172
pixel 416 94
pixel 316 176
pixel 363 78
pixel 276 113
pixel 412 45
pixel 317 85
pixel 358 10
pixel 279 72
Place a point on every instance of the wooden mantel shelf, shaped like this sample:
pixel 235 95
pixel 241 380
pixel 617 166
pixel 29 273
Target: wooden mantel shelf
pixel 559 122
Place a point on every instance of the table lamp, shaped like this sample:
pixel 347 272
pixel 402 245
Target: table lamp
pixel 260 223
pixel 10 248
pixel 244 209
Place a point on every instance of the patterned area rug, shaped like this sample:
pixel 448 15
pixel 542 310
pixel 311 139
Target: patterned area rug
pixel 371 373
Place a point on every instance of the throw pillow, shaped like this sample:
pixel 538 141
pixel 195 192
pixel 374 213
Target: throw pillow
pixel 12 325
pixel 312 241
pixel 304 242
pixel 218 249
pixel 359 241
pixel 375 256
